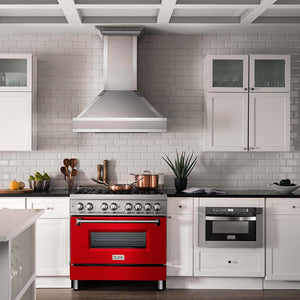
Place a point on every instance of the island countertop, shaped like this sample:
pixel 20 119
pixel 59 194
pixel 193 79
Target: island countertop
pixel 15 221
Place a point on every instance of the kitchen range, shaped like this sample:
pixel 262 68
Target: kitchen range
pixel 118 235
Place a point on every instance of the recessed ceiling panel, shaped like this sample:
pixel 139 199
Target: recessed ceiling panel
pixel 118 2
pixel 208 12
pixel 118 20
pixel 24 2
pixel 287 2
pixel 119 12
pixel 31 13
pixel 281 13
pixel 220 2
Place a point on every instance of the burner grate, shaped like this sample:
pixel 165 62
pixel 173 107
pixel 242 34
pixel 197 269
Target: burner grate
pixel 107 191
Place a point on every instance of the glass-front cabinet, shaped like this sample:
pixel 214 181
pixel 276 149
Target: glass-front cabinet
pixel 227 73
pixel 15 72
pixel 269 73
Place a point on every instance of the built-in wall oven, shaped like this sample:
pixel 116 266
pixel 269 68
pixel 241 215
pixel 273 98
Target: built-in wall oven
pixel 230 227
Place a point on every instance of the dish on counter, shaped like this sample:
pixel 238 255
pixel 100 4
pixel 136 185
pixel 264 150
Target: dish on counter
pixel 284 186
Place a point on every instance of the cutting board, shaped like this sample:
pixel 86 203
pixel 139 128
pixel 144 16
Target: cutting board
pixel 24 191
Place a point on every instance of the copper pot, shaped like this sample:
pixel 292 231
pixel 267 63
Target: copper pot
pixel 147 180
pixel 117 187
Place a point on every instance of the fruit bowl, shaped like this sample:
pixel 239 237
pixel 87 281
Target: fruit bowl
pixel 40 185
pixel 283 189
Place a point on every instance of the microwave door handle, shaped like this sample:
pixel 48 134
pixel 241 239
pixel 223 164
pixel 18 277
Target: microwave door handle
pixel 212 218
pixel 79 221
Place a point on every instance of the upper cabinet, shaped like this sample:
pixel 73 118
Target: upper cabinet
pixel 227 73
pixel 18 81
pixel 16 72
pixel 269 73
pixel 230 73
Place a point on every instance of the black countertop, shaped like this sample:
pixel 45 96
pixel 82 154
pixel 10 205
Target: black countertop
pixel 236 194
pixel 52 193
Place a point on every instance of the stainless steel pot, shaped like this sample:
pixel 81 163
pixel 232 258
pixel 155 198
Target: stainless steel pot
pixel 148 180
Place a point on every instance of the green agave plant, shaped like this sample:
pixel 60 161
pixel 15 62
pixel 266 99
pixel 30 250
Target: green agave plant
pixel 183 164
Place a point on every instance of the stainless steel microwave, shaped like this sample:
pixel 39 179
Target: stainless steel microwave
pixel 230 227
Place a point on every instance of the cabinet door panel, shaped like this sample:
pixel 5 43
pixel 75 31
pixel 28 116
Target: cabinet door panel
pixel 283 247
pixel 180 245
pixel 227 122
pixel 227 73
pixel 52 247
pixel 12 202
pixel 269 73
pixel 269 118
pixel 15 121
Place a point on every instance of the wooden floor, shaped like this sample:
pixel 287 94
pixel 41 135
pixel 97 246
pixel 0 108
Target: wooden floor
pixel 147 292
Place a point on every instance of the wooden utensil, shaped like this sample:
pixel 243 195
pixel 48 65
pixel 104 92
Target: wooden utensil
pixel 74 172
pixel 67 164
pixel 23 191
pixel 105 173
pixel 64 171
pixel 73 162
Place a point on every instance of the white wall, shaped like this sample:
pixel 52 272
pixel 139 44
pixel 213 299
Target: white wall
pixel 170 75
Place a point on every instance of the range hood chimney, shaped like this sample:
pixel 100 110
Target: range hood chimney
pixel 119 107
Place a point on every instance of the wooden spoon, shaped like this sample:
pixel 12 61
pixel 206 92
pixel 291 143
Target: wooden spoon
pixel 64 170
pixel 67 163
pixel 73 162
pixel 74 172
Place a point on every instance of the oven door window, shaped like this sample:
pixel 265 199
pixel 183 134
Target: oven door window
pixel 118 240
pixel 231 230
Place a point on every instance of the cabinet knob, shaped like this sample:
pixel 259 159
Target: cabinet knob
pixel 180 206
pixel 252 89
pixel 294 206
pixel 245 148
pixel 252 148
pixel 229 261
pixel 245 89
pixel 49 208
pixel 169 217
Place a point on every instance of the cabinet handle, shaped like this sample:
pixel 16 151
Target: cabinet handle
pixel 49 208
pixel 169 217
pixel 245 149
pixel 229 261
pixel 252 89
pixel 245 89
pixel 252 148
pixel 180 206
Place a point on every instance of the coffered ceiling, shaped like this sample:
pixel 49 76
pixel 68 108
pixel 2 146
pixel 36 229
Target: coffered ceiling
pixel 158 16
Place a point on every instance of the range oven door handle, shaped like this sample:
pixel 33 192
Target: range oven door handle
pixel 79 221
pixel 212 218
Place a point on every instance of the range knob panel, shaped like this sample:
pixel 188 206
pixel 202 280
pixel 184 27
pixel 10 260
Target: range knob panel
pixel 104 206
pixel 113 206
pixel 147 206
pixel 138 206
pixel 128 206
pixel 157 207
pixel 89 206
pixel 80 206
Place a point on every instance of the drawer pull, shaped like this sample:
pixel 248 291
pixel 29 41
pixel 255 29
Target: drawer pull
pixel 229 261
pixel 49 208
pixel 294 206
pixel 169 217
pixel 180 206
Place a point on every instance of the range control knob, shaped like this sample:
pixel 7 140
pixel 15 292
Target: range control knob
pixel 80 206
pixel 148 206
pixel 89 206
pixel 157 207
pixel 128 206
pixel 113 206
pixel 138 207
pixel 104 206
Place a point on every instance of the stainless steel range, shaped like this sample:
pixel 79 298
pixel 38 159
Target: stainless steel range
pixel 118 236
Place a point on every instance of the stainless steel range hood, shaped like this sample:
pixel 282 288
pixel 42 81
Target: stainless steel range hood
pixel 119 107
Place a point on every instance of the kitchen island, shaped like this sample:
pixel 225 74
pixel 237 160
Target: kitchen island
pixel 17 253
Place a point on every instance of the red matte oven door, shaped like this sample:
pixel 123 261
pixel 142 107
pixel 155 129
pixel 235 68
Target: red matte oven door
pixel 118 240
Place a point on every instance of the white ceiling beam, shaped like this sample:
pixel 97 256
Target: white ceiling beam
pixel 70 11
pixel 31 6
pixel 166 10
pixel 121 6
pixel 216 6
pixel 251 15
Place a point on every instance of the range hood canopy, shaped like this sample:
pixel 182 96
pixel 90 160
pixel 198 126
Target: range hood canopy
pixel 119 107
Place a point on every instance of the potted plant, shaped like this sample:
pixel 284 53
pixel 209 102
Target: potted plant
pixel 182 168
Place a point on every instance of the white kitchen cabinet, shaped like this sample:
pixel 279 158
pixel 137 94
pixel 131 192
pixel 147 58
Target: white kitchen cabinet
pixel 18 102
pixel 52 236
pixel 282 239
pixel 226 122
pixel 226 73
pixel 12 202
pixel 269 122
pixel 180 237
pixel 269 73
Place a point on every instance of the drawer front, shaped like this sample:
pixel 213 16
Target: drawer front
pixel 230 262
pixel 281 206
pixel 180 206
pixel 12 202
pixel 54 207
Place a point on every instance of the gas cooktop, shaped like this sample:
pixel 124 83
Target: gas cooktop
pixel 108 192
